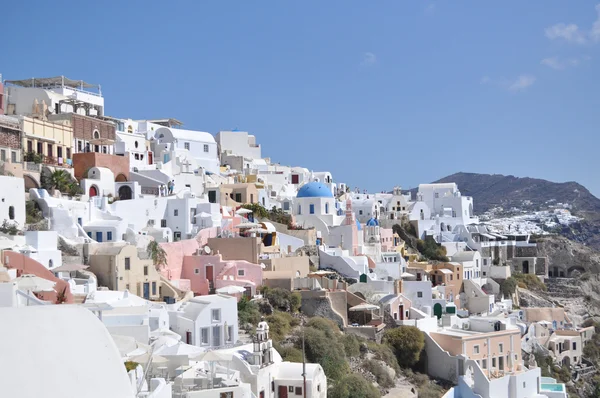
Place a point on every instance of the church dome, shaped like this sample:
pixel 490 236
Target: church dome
pixel 372 223
pixel 314 190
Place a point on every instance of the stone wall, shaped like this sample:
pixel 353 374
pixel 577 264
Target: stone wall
pixel 82 162
pixel 318 304
pixel 10 138
pixel 526 251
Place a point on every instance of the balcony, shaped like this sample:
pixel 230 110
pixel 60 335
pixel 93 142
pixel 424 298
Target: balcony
pixel 33 161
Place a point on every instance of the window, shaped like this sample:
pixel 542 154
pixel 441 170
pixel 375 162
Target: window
pixel 298 390
pixel 59 152
pixel 318 387
pixel 13 157
pixel 229 333
pixel 241 272
pixel 360 212
pixel 3 155
pixel 186 145
pixel 437 195
pixel 197 271
pixel 154 288
pixel 212 196
pixel 312 209
pixel 484 364
pixel 127 263
pixel 419 294
pixel 109 235
pixel 50 150
pixel 205 148
pixel 574 345
pixel 575 359
pixel 163 223
pixel 204 336
pixel 216 315
pixel 68 153
pixel 501 347
pixel 326 208
pixel 238 197
pixel 299 209
pixel 127 286
pixel 228 394
pixel 145 270
pixel 493 362
pixel 475 350
pixel 11 212
pixel 524 384
pixel 291 389
pixel 175 212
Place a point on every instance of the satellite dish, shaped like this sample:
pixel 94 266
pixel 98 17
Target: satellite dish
pixel 206 249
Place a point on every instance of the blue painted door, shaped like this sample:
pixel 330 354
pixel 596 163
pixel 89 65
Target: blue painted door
pixel 98 236
pixel 147 290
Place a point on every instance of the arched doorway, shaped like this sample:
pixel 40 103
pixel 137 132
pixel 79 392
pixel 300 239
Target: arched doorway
pixel 30 182
pixel 121 178
pixel 125 192
pixel 437 310
pixel 93 191
pixel 575 272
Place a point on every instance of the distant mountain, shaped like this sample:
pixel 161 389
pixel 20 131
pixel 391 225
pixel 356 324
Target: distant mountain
pixel 494 190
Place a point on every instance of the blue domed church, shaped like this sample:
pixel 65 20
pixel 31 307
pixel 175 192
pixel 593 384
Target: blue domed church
pixel 315 206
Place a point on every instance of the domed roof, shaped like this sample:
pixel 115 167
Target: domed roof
pixel 372 223
pixel 314 190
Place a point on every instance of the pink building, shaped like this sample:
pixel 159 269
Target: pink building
pixel 211 271
pixel 387 239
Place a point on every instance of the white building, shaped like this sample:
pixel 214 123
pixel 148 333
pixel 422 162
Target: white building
pixel 42 247
pixel 59 94
pixel 12 203
pixel 315 206
pixel 202 146
pixel 206 321
pixel 238 143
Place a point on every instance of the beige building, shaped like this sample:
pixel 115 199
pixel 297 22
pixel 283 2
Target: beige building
pixel 237 194
pixel 495 352
pixel 119 267
pixel 566 347
pixel 54 141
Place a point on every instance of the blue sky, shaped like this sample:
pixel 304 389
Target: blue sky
pixel 379 93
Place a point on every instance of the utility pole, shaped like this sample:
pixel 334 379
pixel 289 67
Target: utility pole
pixel 303 361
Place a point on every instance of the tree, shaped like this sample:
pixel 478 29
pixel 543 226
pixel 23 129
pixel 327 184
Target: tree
pixel 353 385
pixel 508 286
pixel 58 179
pixel 407 342
pixel 258 211
pixel 282 299
pixel 248 312
pixel 157 254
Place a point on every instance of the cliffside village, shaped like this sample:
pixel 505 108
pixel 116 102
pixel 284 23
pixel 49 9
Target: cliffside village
pixel 84 275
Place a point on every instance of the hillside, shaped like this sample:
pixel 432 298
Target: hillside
pixel 506 196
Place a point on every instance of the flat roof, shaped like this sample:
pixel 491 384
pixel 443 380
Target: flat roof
pixel 51 81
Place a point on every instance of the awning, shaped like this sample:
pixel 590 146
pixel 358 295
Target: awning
pixel 70 268
pixel 488 236
pixel 364 307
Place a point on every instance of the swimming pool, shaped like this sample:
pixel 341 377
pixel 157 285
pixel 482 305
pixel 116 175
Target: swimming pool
pixel 552 387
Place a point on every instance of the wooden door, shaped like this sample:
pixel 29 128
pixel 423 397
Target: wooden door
pixel 209 272
pixel 282 392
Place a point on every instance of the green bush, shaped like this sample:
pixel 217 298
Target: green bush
pixel 248 312
pixel 280 325
pixel 351 345
pixel 384 353
pixel 327 352
pixel 529 281
pixel 327 326
pixel 289 353
pixel 431 250
pixel 130 365
pixel 353 385
pixel 9 228
pixel 33 213
pixel 282 299
pixel 258 211
pixel 378 370
pixel 407 342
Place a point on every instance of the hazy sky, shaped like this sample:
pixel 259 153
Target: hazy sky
pixel 380 93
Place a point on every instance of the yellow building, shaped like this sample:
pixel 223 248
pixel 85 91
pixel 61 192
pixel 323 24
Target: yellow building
pixel 53 141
